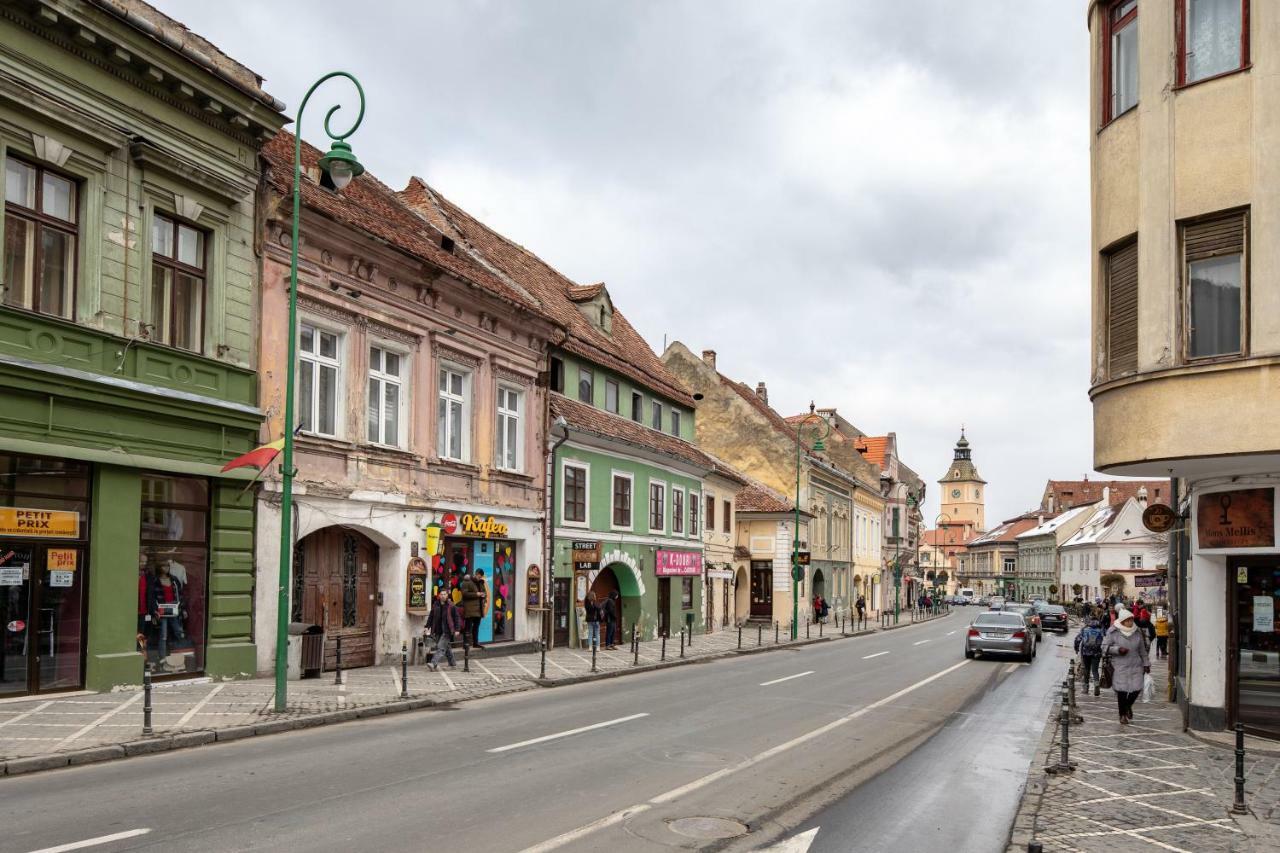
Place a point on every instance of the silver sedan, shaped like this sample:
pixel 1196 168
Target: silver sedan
pixel 1000 633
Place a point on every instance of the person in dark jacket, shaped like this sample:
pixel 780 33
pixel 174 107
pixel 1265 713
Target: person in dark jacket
pixel 592 612
pixel 1089 646
pixel 609 611
pixel 472 605
pixel 443 624
pixel 166 605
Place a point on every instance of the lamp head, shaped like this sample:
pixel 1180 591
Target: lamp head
pixel 341 164
pixel 819 446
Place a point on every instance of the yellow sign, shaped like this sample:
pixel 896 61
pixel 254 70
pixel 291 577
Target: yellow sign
pixel 474 525
pixel 62 559
pixel 39 523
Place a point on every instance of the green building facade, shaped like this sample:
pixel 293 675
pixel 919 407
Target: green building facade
pixel 127 350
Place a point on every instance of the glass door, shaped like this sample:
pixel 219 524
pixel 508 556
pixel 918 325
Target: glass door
pixel 15 619
pixel 1257 645
pixel 58 617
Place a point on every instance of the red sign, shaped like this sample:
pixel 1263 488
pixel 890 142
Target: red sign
pixel 450 523
pixel 678 563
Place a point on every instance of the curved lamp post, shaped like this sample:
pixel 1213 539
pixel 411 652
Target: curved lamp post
pixel 818 427
pixel 341 166
pixel 939 553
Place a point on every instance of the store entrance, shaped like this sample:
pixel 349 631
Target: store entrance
pixel 41 617
pixel 1254 672
pixel 761 589
pixel 339 568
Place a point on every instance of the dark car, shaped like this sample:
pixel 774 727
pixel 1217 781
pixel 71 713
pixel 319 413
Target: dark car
pixel 1053 617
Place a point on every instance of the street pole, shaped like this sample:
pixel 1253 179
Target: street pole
pixel 341 166
pixel 807 420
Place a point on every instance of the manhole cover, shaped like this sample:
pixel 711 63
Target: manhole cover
pixel 707 827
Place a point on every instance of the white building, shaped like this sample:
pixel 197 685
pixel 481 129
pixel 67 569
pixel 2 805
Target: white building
pixel 1111 542
pixel 1038 554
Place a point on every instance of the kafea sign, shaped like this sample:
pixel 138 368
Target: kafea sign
pixel 677 563
pixel 473 525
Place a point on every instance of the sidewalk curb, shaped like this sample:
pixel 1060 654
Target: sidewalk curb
pixel 1023 830
pixel 1253 748
pixel 909 624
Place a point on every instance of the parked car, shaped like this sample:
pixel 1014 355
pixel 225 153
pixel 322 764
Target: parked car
pixel 1001 633
pixel 984 601
pixel 1053 617
pixel 1028 612
pixel 997 602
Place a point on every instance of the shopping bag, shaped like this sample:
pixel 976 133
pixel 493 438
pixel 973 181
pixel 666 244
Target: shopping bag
pixel 1108 672
pixel 1148 688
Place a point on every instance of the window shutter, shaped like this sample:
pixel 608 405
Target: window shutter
pixel 1213 237
pixel 1122 310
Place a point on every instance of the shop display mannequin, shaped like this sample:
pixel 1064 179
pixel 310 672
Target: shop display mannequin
pixel 165 605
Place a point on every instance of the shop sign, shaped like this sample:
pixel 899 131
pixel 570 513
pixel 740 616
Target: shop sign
pixel 39 523
pixel 432 538
pixel 15 566
pixel 61 559
pixel 802 558
pixel 533 587
pixel 449 522
pixel 416 597
pixel 720 574
pixel 1159 518
pixel 1243 518
pixel 677 563
pixel 1264 613
pixel 474 525
pixel 1149 580
pixel 61 578
pixel 586 555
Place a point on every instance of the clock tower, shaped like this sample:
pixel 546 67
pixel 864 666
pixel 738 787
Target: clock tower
pixel 961 491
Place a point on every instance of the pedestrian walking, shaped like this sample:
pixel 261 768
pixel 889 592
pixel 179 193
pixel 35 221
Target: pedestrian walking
pixel 611 612
pixel 443 624
pixel 1089 647
pixel 861 606
pixel 593 620
pixel 472 604
pixel 1162 634
pixel 1127 648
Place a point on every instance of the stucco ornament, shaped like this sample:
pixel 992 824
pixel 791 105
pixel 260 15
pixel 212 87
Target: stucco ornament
pixel 615 557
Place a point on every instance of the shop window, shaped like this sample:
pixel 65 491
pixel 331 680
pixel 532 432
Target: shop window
pixel 657 507
pixel 1214 258
pixel 586 385
pixel 575 495
pixel 318 366
pixel 453 415
pixel 40 234
pixel 510 439
pixel 386 397
pixel 622 484
pixel 1213 38
pixel 173 567
pixel 611 395
pixel 677 511
pixel 176 305
pixel 1119 58
pixel 686 593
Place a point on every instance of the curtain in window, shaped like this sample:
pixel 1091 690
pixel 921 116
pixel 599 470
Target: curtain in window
pixel 1215 306
pixel 1213 37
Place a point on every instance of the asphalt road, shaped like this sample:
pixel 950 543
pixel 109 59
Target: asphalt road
pixel 766 741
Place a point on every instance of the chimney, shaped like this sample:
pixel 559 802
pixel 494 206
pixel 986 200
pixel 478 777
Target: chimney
pixel 1106 496
pixel 762 392
pixel 1142 496
pixel 1040 522
pixel 709 358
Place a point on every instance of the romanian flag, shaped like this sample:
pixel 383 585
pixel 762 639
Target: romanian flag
pixel 259 457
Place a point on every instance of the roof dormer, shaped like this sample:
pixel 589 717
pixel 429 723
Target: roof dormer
pixel 594 303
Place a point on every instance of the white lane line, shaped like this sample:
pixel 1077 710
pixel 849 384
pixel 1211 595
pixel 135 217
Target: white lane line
pixel 93 842
pixel 558 735
pixel 1013 667
pixel 489 672
pixel 919 642
pixel 527 671
pixel 185 718
pixel 684 790
pixel 786 678
pixel 108 715
pixel 876 655
pixel 37 709
pixel 949 633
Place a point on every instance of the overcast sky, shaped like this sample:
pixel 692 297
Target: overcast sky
pixel 881 206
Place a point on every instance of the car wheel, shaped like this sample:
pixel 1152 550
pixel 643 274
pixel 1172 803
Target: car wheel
pixel 968 653
pixel 1039 638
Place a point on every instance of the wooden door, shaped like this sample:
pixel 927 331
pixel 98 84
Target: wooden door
pixel 664 607
pixel 563 592
pixel 762 590
pixel 340 587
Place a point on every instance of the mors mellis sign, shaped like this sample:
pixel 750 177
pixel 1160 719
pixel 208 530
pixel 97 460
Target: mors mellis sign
pixel 1242 518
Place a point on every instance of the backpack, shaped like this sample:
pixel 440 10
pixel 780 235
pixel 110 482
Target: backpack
pixel 1091 642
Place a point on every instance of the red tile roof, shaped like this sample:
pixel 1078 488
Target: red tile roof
pixel 757 497
pixel 1071 493
pixel 1006 533
pixel 623 351
pixel 874 448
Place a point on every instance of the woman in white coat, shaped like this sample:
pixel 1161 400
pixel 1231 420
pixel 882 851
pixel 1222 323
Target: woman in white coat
pixel 1127 647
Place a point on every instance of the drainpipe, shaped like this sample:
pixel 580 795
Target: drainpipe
pixel 562 426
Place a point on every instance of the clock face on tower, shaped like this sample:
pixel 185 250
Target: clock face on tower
pixel 955 493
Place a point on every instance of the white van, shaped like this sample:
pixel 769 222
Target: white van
pixel 966 594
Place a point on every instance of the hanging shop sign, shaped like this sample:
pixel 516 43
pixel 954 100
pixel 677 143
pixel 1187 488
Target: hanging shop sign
pixel 39 523
pixel 677 563
pixel 1243 518
pixel 432 538
pixel 586 555
pixel 449 523
pixel 1149 580
pixel 533 587
pixel 1159 518
pixel 802 558
pixel 417 597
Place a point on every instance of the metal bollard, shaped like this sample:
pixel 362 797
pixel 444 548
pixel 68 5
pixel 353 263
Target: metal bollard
pixel 664 647
pixel 1064 764
pixel 819 630
pixel 1238 807
pixel 543 645
pixel 635 647
pixel 337 664
pixel 1075 714
pixel 466 653
pixel 404 670
pixel 777 627
pixel 759 630
pixel 146 702
pixel 594 647
pixel 681 642
pixel 690 636
pixel 739 635
pixel 807 623
pixel 1035 847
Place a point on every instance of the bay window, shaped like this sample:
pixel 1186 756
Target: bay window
pixel 1119 59
pixel 40 233
pixel 1213 38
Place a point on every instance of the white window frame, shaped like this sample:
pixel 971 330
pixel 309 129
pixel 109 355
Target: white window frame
pixel 402 382
pixel 468 395
pixel 648 507
pixel 503 414
pixel 586 493
pixel 313 359
pixel 680 518
pixel 630 478
pixel 1135 561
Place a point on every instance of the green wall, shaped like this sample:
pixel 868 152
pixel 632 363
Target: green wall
pixel 626 387
pixel 600 491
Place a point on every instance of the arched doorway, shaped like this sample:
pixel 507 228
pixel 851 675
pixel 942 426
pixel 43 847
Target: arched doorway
pixel 819 584
pixel 335 585
pixel 620 578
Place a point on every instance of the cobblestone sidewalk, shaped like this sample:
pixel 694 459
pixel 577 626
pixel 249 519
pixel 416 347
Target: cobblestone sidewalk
pixel 1145 786
pixel 53 731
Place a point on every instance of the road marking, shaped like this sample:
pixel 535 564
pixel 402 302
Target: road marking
pixel 795 844
pixel 949 633
pixel 37 709
pixel 684 790
pixel 919 642
pixel 527 671
pixel 786 678
pixel 1013 667
pixel 198 706
pixel 489 672
pixel 93 842
pixel 558 735
pixel 876 655
pixel 448 680
pixel 552 661
pixel 108 715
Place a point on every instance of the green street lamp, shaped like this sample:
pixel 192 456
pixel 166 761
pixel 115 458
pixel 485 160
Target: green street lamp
pixel 341 166
pixel 820 429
